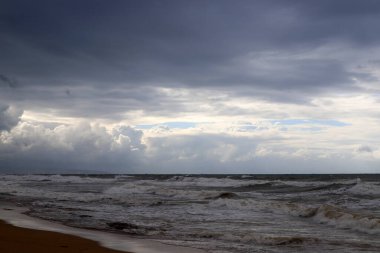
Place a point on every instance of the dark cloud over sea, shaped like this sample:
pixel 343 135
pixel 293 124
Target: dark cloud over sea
pixel 197 44
pixel 120 60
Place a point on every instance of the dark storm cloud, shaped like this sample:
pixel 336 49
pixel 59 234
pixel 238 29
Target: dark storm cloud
pixel 88 102
pixel 4 80
pixel 89 49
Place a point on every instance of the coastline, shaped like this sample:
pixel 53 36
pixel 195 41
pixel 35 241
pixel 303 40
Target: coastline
pixel 17 239
pixel 17 229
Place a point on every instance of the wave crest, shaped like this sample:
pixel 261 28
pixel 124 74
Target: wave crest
pixel 341 218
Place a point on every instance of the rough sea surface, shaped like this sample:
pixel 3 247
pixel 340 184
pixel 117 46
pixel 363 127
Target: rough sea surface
pixel 218 213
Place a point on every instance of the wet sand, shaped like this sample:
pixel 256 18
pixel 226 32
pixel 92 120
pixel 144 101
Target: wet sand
pixel 21 233
pixel 16 240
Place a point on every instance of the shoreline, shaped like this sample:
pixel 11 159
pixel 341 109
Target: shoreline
pixel 18 239
pixel 15 223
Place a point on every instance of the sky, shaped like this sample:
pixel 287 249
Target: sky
pixel 201 86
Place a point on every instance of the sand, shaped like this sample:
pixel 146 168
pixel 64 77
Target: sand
pixel 23 240
pixel 24 234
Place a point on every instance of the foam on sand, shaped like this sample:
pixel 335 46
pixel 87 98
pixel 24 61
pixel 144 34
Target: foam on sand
pixel 14 215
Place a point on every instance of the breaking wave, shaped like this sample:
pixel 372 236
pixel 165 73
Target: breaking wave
pixel 272 240
pixel 336 216
pixel 340 218
pixel 288 187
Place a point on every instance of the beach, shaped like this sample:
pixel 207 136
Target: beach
pixel 20 233
pixel 16 239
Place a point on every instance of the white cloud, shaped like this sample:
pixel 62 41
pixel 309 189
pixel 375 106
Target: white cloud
pixel 33 146
pixel 261 136
pixel 9 117
pixel 81 146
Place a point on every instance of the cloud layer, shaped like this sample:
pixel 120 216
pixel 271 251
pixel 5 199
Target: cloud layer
pixel 263 147
pixel 256 86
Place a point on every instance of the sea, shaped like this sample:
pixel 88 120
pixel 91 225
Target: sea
pixel 216 213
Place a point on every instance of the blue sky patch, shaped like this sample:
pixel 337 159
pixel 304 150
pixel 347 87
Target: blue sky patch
pixel 324 122
pixel 179 124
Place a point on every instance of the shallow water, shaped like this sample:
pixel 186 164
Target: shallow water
pixel 219 213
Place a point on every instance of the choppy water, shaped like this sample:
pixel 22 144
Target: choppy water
pixel 219 213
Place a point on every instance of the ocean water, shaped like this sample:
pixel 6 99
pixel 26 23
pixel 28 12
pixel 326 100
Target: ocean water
pixel 218 213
